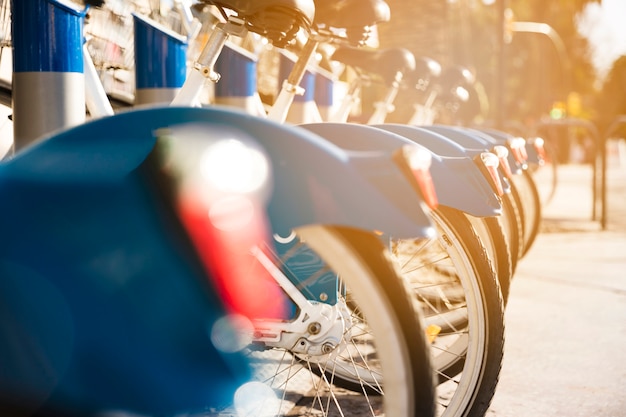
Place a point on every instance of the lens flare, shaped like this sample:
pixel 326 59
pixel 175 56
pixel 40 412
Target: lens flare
pixel 256 399
pixel 232 166
pixel 231 333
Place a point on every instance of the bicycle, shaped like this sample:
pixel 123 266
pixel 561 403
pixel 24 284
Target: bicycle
pixel 366 138
pixel 423 404
pixel 334 132
pixel 82 182
pixel 401 61
pixel 522 153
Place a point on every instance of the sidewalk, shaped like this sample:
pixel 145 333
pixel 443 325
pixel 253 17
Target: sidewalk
pixel 566 317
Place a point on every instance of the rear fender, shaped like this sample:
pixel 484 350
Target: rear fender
pixel 314 181
pixel 474 138
pixel 459 182
pixel 371 153
pixel 502 137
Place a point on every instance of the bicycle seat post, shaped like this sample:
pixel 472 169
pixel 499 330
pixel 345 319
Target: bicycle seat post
pixel 203 67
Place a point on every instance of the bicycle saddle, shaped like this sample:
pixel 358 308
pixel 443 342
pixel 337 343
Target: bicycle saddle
pixel 355 16
pixel 383 62
pixel 454 84
pixel 277 20
pixel 457 75
pixel 426 69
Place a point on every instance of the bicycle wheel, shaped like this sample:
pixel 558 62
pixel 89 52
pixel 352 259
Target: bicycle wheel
pixel 547 171
pixel 384 341
pixel 513 226
pixel 529 196
pixel 492 235
pixel 454 283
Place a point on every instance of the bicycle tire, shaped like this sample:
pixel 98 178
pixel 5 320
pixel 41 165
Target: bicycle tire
pixel 491 232
pixel 365 266
pixel 513 225
pixel 548 169
pixel 529 195
pixel 467 359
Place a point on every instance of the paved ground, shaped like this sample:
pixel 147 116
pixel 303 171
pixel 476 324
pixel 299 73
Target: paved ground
pixel 566 318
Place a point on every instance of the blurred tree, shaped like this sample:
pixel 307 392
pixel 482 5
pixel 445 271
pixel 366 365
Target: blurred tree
pixel 466 32
pixel 418 25
pixel 611 101
pixel 537 76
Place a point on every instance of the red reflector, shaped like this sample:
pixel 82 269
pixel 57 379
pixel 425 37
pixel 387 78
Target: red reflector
pixel 427 187
pixel 491 162
pixel 224 247
pixel 502 153
pixel 518 148
pixel 538 144
pixel 418 160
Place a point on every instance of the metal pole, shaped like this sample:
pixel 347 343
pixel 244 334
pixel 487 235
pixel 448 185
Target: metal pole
pixel 500 85
pixel 593 130
pixel 559 46
pixel 619 121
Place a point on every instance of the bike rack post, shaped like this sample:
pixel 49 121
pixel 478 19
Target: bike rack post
pixel 303 109
pixel 160 62
pixel 617 122
pixel 324 92
pixel 48 71
pixel 599 162
pixel 237 85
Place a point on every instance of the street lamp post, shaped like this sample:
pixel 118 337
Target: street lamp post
pixel 559 46
pixel 507 27
pixel 500 85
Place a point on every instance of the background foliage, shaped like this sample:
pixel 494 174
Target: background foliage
pixel 467 32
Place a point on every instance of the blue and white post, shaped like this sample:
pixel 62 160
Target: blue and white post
pixel 48 79
pixel 237 86
pixel 160 62
pixel 303 109
pixel 325 93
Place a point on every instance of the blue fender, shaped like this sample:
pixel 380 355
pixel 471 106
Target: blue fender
pixel 472 138
pixel 371 150
pixel 474 144
pixel 436 142
pixel 458 181
pixel 533 156
pixel 102 308
pixel 464 136
pixel 315 182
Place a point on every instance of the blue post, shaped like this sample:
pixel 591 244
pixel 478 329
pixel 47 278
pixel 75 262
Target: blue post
pixel 304 108
pixel 237 85
pixel 48 79
pixel 160 62
pixel 324 92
